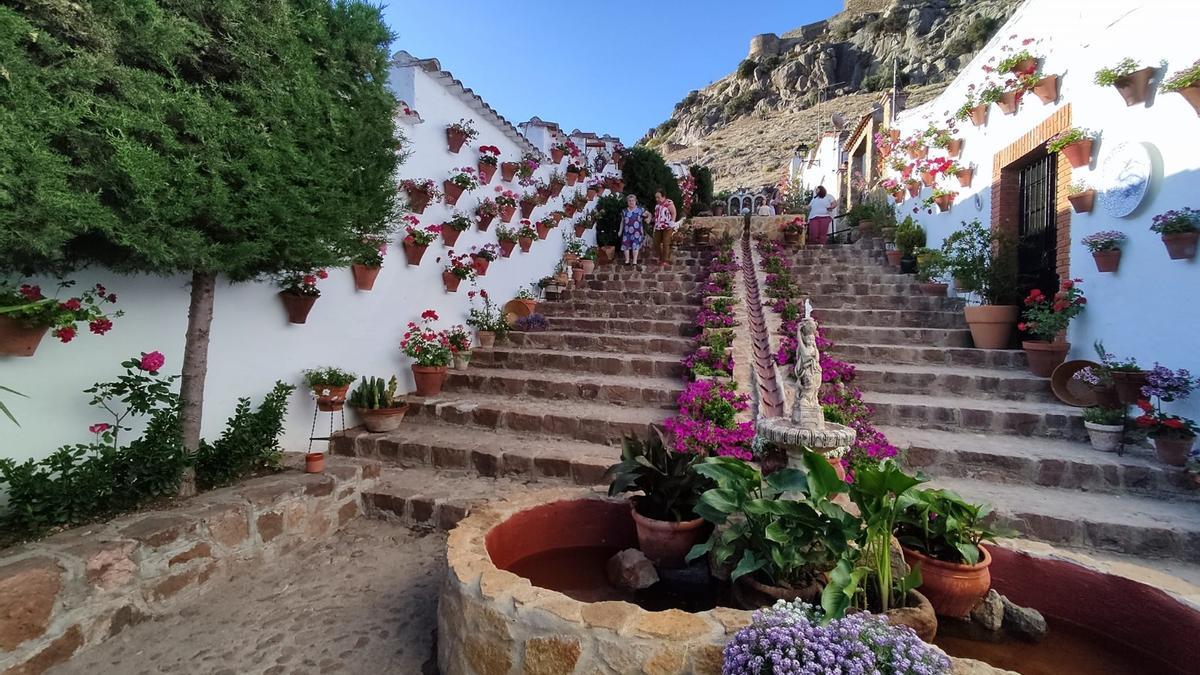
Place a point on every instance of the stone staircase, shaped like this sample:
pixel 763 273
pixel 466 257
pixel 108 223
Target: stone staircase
pixel 978 422
pixel 543 406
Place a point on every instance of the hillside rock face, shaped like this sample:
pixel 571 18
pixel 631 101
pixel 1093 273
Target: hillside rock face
pixel 851 53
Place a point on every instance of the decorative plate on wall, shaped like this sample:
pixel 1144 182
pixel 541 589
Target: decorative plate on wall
pixel 1122 178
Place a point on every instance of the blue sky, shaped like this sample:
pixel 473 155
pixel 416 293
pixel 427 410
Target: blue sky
pixel 615 66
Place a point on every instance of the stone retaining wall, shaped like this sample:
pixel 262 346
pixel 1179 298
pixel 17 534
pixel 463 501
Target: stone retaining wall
pixel 85 585
pixel 771 226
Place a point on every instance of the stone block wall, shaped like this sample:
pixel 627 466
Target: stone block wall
pixel 85 585
pixel 770 226
pixel 856 7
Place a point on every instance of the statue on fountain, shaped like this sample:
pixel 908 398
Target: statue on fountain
pixel 806 404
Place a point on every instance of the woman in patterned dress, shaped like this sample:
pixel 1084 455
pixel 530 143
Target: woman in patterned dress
pixel 664 225
pixel 631 228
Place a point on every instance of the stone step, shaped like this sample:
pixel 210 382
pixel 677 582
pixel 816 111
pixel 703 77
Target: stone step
pixel 989 383
pixel 897 302
pixel 630 297
pixel 672 285
pixel 652 273
pixel 580 420
pixel 420 443
pixel 957 413
pixel 1147 528
pixel 820 290
pixel 925 337
pixel 1047 462
pixel 577 361
pixel 899 318
pixel 618 326
pixel 810 275
pixel 599 341
pixel 616 311
pixel 627 390
pixel 867 352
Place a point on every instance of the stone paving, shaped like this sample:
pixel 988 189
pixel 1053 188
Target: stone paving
pixel 362 601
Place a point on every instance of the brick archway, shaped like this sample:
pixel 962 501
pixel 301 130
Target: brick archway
pixel 1005 187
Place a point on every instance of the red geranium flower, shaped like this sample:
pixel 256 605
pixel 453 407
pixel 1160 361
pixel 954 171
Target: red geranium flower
pixel 429 314
pixel 66 334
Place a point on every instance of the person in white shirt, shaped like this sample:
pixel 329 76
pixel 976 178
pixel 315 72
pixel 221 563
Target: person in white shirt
pixel 820 216
pixel 766 210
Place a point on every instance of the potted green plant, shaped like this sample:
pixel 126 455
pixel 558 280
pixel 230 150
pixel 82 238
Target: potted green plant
pixel 460 346
pixel 526 298
pixel 329 386
pixel 525 235
pixel 1018 63
pixel 458 268
pixel 487 320
pixel 380 408
pixel 1180 229
pixel 367 262
pixel 1099 378
pixel 420 192
pixel 1045 87
pixel 784 547
pixel 489 158
pixel 26 315
pixel 299 292
pixel 1186 83
pixel 909 237
pixel 1106 249
pixel 1082 197
pixel 451 229
pixel 431 350
pixel 417 239
pixel 1075 144
pixel 507 237
pixel 931 265
pixel 942 536
pixel 588 260
pixel 983 262
pixel 1045 318
pixel 942 198
pixel 1173 435
pixel 665 512
pixel 1131 80
pixel 1105 427
pixel 506 201
pixel 459 133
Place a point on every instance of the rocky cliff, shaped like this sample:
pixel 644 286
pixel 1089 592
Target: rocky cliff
pixel 770 102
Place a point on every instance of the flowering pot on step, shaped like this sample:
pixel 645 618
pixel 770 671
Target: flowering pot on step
pixel 954 147
pixel 527 206
pixel 543 231
pixel 1107 261
pixel 1106 395
pixel 1079 153
pixel 525 243
pixel 588 266
pixel 1181 246
pixel 18 338
pixel 1045 356
pixel 450 235
pixel 1046 89
pixel 991 325
pixel 1010 101
pixel 486 338
pixel 934 289
pixel 666 542
pixel 297 306
pixel 751 594
pixel 506 247
pixel 1105 437
pixel 530 305
pixel 791 237
pixel 462 360
pixel 979 114
pixel 893 257
pixel 1173 451
pixel 507 213
pixel 429 379
pixel 330 398
pixel 364 276
pixel 1191 95
pixel 413 252
pixel 451 191
pixel 381 420
pixel 455 139
pixel 508 170
pixel 1129 385
pixel 1082 202
pixel 484 222
pixel 952 588
pixel 451 281
pixel 1135 87
pixel 314 462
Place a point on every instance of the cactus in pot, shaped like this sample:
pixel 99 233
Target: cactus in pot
pixel 378 404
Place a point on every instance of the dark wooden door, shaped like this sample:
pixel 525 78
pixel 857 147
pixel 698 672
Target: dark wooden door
pixel 1037 259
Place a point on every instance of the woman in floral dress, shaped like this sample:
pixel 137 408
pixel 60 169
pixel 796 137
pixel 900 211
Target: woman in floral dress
pixel 631 228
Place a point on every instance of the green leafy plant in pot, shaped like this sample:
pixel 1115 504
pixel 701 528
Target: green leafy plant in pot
pixel 329 386
pixel 931 265
pixel 983 262
pixel 1105 428
pixel 909 237
pixel 942 536
pixel 1044 319
pixel 665 513
pixel 380 408
pixel 782 534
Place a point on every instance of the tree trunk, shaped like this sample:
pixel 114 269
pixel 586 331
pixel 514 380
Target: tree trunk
pixel 195 366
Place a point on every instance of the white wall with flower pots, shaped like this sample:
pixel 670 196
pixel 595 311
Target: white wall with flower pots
pixel 252 344
pixel 1147 309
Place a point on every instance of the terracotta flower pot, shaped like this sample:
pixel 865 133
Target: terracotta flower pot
pixel 666 543
pixel 954 148
pixel 526 243
pixel 1107 261
pixel 364 276
pixel 1106 395
pixel 413 252
pixel 1135 87
pixel 530 305
pixel 543 231
pixel 556 189
pixel 481 265
pixel 898 196
pixel 451 282
pixel 484 223
pixel 569 209
pixel 607 254
pixel 1044 356
pixel 429 379
pixel 1082 202
pixel 751 594
pixel 952 588
pixel 619 186
pixel 462 360
pixel 556 155
pixel 507 213
pixel 18 338
pixel 455 139
pixel 1181 246
pixel 1105 437
pixel 380 420
pixel 508 170
pixel 577 274
pixel 991 325
pixel 1046 89
pixel 1010 101
pixel 919 152
pixel 894 134
pixel 450 235
pixel 914 189
pixel 944 202
pixel 506 247
pixel 1129 385
pixel 486 338
pixel 418 200
pixel 527 206
pixel 572 177
pixel 1024 67
pixel 591 194
pixel 893 257
pixel 588 266
pixel 330 398
pixel 570 259
pixel 1173 451
pixel 1192 95
pixel 965 176
pixel 579 230
pixel 543 195
pixel 451 191
pixel 934 289
pixel 927 178
pixel 979 115
pixel 1079 153
pixel 297 306
pixel 486 171
pixel 314 462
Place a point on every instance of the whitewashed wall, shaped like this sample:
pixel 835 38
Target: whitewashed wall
pixel 1148 308
pixel 820 167
pixel 253 345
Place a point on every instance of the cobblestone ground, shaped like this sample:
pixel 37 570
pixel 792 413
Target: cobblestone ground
pixel 363 601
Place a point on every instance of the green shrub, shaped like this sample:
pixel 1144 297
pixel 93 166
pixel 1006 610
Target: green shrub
pixel 704 184
pixel 608 220
pixel 976 35
pixel 742 103
pixel 250 442
pixel 876 82
pixel 646 171
pixel 909 236
pixel 746 68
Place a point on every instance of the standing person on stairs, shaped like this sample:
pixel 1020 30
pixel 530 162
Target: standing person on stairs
pixel 820 216
pixel 632 233
pixel 664 226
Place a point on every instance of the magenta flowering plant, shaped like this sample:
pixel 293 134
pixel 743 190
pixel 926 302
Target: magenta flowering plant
pixel 464 177
pixel 302 283
pixel 1177 221
pixel 429 347
pixel 139 391
pixel 709 318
